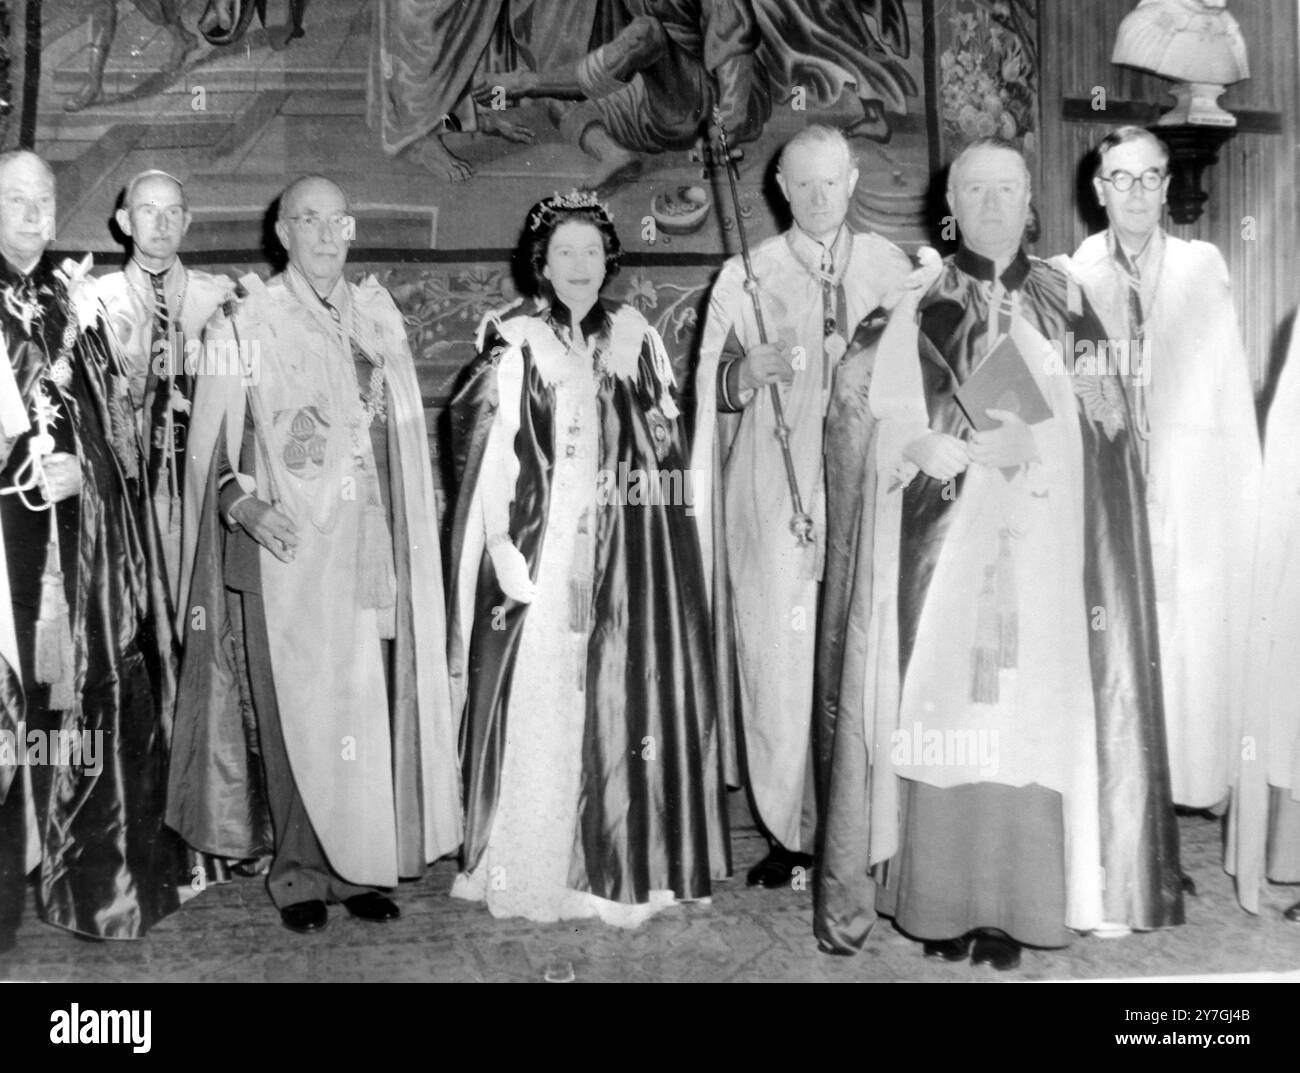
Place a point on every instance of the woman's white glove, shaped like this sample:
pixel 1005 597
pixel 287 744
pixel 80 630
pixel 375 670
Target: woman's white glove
pixel 512 571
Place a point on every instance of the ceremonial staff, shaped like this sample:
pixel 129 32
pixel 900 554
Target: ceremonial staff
pixel 800 523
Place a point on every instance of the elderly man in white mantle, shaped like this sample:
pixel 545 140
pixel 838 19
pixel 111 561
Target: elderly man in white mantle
pixel 325 564
pixel 816 283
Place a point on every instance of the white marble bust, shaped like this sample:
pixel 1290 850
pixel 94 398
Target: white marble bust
pixel 1195 42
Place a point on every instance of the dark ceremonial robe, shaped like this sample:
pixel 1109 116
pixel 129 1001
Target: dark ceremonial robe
pixel 642 826
pixel 218 799
pixel 1138 847
pixel 108 867
pixel 845 749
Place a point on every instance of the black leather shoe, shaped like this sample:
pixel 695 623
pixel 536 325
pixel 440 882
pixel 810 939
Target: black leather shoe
pixel 372 906
pixel 303 917
pixel 1189 885
pixel 995 949
pixel 948 949
pixel 1292 914
pixel 777 868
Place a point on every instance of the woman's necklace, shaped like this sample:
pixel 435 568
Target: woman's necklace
pixel 587 350
pixel 587 354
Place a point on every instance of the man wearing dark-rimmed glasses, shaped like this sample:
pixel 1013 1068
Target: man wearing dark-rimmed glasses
pixel 1167 304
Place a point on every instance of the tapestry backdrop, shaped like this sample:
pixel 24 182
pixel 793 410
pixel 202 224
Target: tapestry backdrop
pixel 444 120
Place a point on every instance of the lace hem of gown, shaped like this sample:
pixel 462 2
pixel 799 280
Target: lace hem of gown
pixel 566 904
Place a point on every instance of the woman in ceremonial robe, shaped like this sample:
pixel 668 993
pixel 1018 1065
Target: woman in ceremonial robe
pixel 579 632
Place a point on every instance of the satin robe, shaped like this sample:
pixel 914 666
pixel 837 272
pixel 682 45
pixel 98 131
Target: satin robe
pixel 1134 820
pixel 642 826
pixel 1204 449
pixel 108 868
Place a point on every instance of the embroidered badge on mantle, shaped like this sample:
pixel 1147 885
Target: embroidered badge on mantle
pixel 304 450
pixel 661 433
pixel 1103 402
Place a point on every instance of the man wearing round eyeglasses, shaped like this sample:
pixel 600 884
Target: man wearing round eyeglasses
pixel 157 309
pixel 311 533
pixel 1167 307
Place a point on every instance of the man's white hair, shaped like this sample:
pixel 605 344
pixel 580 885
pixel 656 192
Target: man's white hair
pixel 818 134
pixel 12 156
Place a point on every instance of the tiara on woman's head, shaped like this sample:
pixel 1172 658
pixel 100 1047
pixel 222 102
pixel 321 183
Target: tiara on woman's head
pixel 549 208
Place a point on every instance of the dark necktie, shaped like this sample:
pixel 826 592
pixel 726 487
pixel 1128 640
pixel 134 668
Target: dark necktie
pixel 161 318
pixel 1128 267
pixel 167 424
pixel 1133 279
